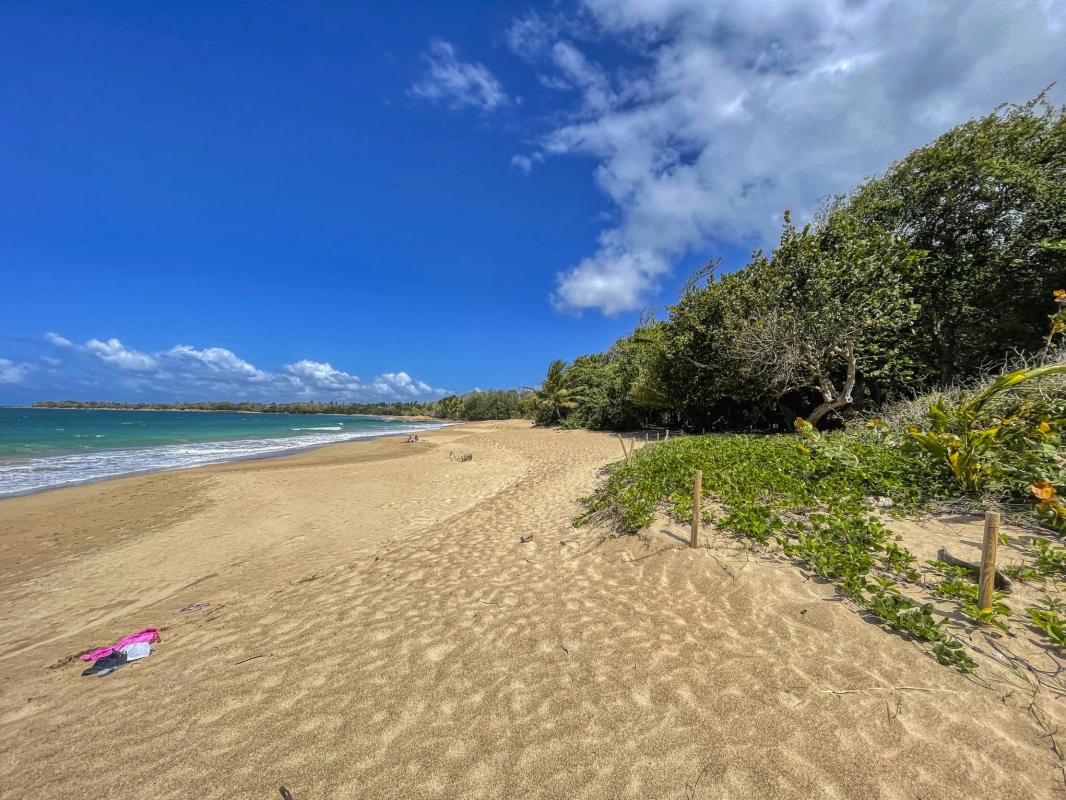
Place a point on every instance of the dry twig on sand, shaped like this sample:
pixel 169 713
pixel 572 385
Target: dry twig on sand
pixel 889 689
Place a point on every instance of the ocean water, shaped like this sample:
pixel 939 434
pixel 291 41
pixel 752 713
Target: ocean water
pixel 42 448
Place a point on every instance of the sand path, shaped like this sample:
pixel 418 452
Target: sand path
pixel 378 631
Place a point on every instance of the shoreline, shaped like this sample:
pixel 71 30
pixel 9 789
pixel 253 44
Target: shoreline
pixel 80 518
pixel 270 454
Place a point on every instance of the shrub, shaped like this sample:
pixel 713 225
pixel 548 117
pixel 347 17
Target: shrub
pixel 989 439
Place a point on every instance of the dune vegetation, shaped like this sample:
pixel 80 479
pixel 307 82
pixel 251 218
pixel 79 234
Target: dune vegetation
pixel 821 499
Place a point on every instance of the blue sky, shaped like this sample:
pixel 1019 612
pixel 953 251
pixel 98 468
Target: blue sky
pixel 383 201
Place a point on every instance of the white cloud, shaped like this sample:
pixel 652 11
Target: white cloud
pixel 533 34
pixel 530 33
pixel 579 72
pixel 321 376
pixel 617 278
pixel 10 372
pixel 523 163
pixel 315 377
pixel 217 373
pixel 726 114
pixel 402 386
pixel 118 355
pixel 217 362
pixel 458 84
pixel 57 340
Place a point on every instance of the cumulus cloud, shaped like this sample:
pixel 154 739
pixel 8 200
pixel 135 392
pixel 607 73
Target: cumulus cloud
pixel 57 340
pixel 721 115
pixel 215 362
pixel 458 84
pixel 401 385
pixel 115 353
pixel 218 373
pixel 10 372
pixel 320 376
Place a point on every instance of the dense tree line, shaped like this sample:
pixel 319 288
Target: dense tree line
pixel 924 276
pixel 493 404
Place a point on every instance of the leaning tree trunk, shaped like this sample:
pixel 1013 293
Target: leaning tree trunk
pixel 831 398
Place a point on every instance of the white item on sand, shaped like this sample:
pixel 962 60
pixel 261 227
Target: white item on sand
pixel 137 651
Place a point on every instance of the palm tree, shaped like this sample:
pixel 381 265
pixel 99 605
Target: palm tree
pixel 558 393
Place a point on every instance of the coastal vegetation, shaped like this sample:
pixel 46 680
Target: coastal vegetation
pixel 492 404
pixel 922 278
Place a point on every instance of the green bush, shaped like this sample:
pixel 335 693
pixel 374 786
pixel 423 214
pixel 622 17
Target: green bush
pixel 993 439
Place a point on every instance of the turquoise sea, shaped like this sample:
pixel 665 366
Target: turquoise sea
pixel 42 448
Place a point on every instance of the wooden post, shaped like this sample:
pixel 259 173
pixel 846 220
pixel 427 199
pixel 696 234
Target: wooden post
pixel 647 438
pixel 622 442
pixel 667 434
pixel 988 561
pixel 656 436
pixel 697 495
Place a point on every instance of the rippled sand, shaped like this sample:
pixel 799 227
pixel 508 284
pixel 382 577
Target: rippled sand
pixel 377 630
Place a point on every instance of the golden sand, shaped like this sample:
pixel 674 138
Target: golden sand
pixel 377 630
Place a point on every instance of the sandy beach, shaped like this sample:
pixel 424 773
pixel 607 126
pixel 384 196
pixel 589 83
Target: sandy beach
pixel 376 629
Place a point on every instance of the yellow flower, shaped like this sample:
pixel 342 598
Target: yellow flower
pixel 1042 490
pixel 1044 428
pixel 1059 294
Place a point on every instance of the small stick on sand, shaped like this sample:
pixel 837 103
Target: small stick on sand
pixel 252 658
pixel 889 689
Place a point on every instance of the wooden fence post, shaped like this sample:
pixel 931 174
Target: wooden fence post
pixel 622 442
pixel 987 581
pixel 697 495
pixel 647 438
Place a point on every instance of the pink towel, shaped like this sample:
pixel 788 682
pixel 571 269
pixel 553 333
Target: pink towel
pixel 147 635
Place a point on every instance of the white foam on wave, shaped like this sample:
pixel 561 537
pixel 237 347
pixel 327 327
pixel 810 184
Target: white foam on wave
pixel 31 475
pixel 321 428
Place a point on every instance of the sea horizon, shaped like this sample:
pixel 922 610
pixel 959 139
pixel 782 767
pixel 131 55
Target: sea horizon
pixel 49 448
pixel 119 406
